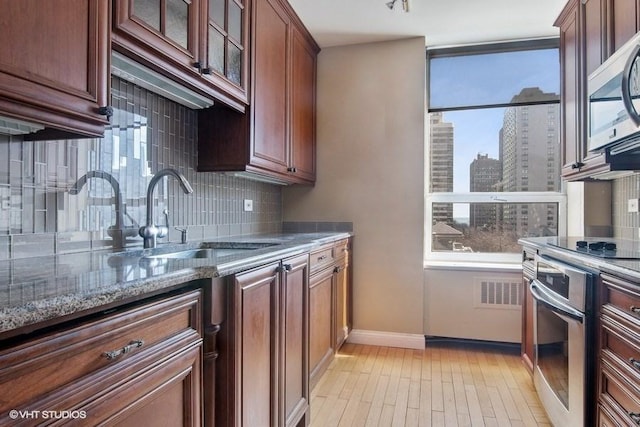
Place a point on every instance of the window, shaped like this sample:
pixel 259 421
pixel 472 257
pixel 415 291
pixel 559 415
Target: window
pixel 493 150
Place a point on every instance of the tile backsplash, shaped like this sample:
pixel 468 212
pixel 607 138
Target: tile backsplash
pixel 40 216
pixel 625 224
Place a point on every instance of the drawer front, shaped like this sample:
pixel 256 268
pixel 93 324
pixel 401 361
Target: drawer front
pixel 615 392
pixel 622 297
pixel 327 255
pixel 621 343
pixel 71 354
pixel 606 418
pixel 321 258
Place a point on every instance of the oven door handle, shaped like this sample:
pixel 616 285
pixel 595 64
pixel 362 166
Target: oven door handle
pixel 540 294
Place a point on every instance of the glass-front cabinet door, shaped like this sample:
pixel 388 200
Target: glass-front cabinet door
pixel 167 26
pixel 201 43
pixel 226 39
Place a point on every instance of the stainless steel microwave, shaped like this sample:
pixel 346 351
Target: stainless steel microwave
pixel 614 101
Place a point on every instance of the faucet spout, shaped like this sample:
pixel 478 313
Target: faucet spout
pixel 117 231
pixel 75 189
pixel 150 232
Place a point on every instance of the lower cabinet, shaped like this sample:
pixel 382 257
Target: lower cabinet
pixel 528 274
pixel 263 364
pixel 139 366
pixel 329 305
pixel 321 323
pixel 619 355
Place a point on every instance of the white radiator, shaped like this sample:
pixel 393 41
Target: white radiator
pixel 478 305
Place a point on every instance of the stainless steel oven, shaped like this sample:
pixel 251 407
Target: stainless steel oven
pixel 563 331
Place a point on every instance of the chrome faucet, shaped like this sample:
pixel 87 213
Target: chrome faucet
pixel 119 232
pixel 151 232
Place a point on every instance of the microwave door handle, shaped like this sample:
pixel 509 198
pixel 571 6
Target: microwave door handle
pixel 538 293
pixel 626 92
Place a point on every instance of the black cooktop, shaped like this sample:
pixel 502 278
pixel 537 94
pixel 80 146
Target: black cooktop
pixel 599 247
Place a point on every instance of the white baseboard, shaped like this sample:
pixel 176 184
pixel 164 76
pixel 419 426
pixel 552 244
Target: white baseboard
pixel 387 339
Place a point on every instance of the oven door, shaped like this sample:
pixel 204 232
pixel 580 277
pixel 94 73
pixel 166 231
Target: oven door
pixel 559 340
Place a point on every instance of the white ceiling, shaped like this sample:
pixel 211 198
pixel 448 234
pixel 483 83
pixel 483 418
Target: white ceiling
pixel 442 22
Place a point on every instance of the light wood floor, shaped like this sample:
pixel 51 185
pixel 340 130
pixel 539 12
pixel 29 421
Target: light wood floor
pixel 443 385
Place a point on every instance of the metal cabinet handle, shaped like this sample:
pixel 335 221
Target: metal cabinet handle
pixel 635 416
pixel 197 65
pixel 322 258
pixel 107 110
pixel 577 165
pixel 635 363
pixel 287 267
pixel 635 310
pixel 110 355
pixel 291 169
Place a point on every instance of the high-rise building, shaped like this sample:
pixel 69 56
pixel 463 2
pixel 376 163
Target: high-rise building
pixel 485 174
pixel 441 165
pixel 530 153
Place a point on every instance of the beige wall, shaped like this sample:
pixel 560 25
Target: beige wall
pixel 370 151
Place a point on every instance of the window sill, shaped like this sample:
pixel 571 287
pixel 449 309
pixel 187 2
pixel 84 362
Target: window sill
pixel 471 266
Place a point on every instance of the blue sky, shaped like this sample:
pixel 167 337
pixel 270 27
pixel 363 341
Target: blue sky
pixel 482 80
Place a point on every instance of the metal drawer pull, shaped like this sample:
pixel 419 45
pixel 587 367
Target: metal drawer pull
pixel 110 355
pixel 635 417
pixel 635 363
pixel 634 309
pixel 322 258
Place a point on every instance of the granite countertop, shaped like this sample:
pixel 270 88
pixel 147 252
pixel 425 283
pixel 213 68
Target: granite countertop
pixel 63 287
pixel 627 268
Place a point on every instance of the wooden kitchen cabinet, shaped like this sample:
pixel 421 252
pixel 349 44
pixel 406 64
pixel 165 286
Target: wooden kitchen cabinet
pixel 199 44
pixel 329 305
pixel 275 139
pixel 140 365
pixel 321 344
pixel 590 31
pixel 54 65
pixel 619 354
pixel 294 330
pixel 528 274
pixel 622 16
pixel 263 372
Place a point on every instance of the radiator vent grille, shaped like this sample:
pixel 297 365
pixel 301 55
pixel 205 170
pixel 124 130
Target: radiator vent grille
pixel 498 293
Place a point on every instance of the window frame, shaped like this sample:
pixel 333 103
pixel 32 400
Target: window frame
pixel 434 258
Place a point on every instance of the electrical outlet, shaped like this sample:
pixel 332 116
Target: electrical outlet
pixel 248 205
pixel 632 205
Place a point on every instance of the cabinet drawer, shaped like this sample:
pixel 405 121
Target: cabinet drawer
pixel 615 393
pixel 321 258
pixel 621 343
pixel 71 354
pixel 622 297
pixel 606 418
pixel 327 255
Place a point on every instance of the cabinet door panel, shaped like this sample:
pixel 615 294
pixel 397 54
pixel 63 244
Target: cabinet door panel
pixel 295 338
pixel 342 303
pixel 571 120
pixel 320 323
pixel 303 70
pixel 625 21
pixel 270 87
pixel 168 27
pixel 258 298
pixel 53 62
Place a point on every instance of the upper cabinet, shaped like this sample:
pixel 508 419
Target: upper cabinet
pixel 54 60
pixel 275 139
pixel 199 44
pixel 590 31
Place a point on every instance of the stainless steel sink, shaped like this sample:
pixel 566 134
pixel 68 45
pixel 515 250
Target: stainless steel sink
pixel 204 250
pixel 200 253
